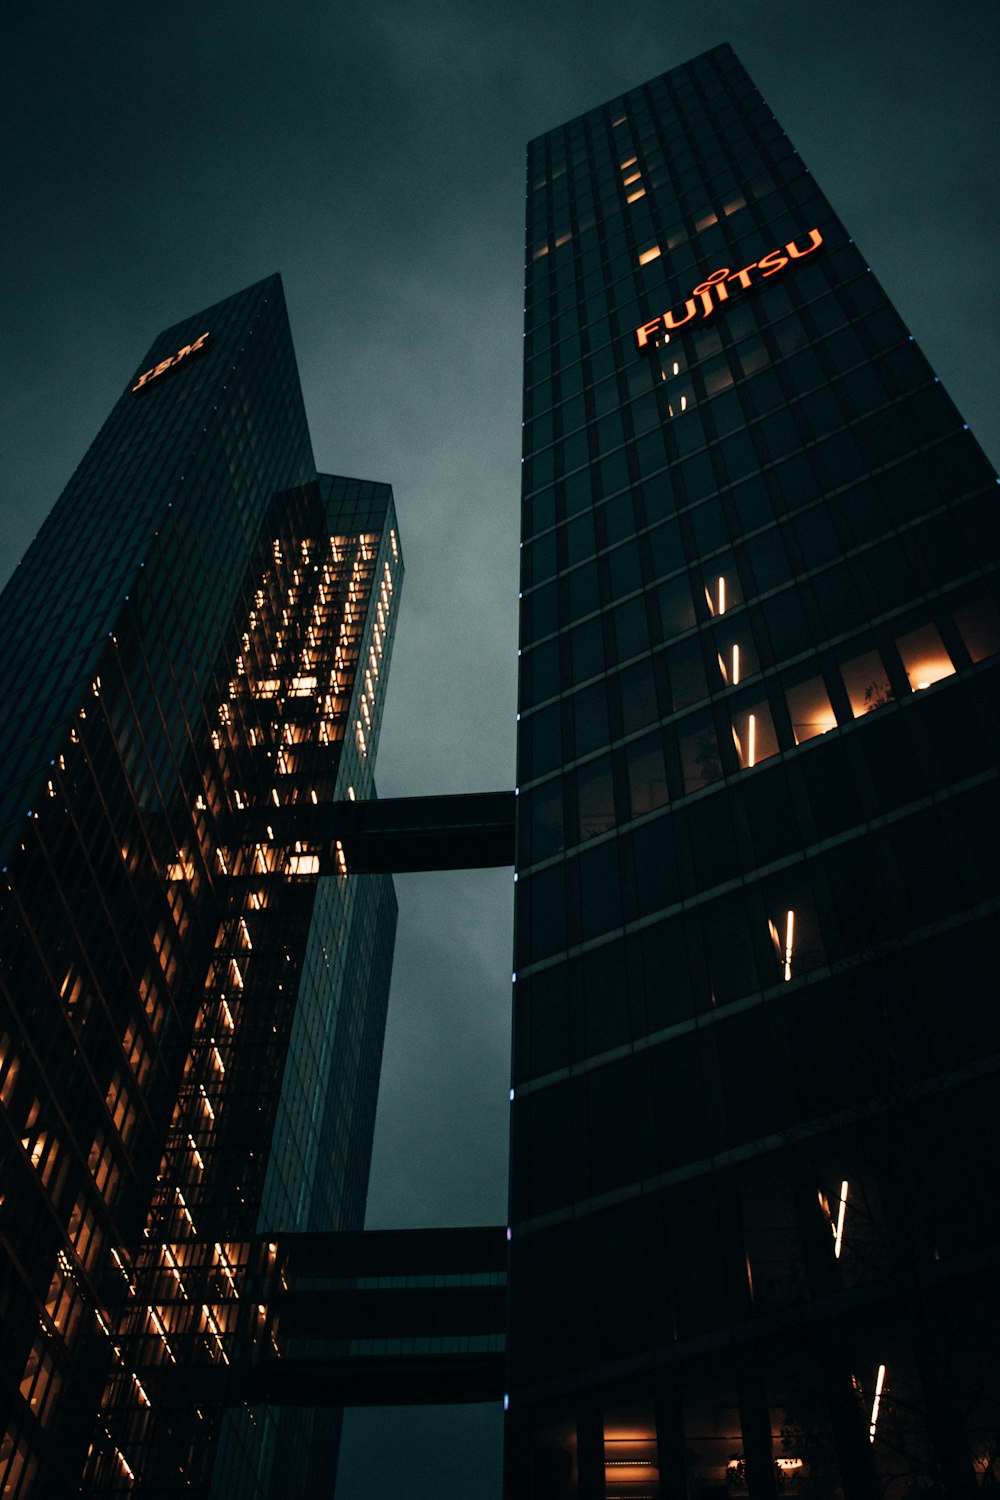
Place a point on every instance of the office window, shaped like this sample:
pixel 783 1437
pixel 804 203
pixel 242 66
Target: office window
pixel 924 657
pixel 809 708
pixel 754 734
pixel 867 683
pixel 698 746
pixel 647 776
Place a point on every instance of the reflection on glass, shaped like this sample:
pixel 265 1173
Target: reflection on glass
pixel 729 666
pixel 699 748
pixel 876 1402
pixel 867 683
pixel 596 805
pixel 784 942
pixel 753 735
pixel 810 709
pixel 715 593
pixel 838 1233
pixel 924 657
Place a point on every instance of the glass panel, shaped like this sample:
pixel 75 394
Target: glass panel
pixel 979 623
pixel 867 683
pixel 701 763
pixel 546 821
pixel 596 798
pixel 647 777
pixel 736 651
pixel 722 589
pixel 631 1466
pixel 924 657
pixel 714 1441
pixel 809 709
pixel 754 734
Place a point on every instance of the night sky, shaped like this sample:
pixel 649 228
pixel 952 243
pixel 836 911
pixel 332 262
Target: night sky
pixel 158 157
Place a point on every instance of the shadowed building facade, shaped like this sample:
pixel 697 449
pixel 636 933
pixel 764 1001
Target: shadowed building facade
pixel 754 1130
pixel 192 1018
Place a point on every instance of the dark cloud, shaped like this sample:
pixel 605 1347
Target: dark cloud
pixel 158 158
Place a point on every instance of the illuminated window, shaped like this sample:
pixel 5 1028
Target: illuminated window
pixel 753 734
pixel 302 864
pixel 783 937
pixel 721 592
pixel 634 197
pixel 924 657
pixel 647 255
pixel 809 709
pixel 867 683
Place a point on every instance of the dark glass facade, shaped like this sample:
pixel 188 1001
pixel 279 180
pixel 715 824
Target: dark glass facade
pixel 193 1013
pixel 754 1128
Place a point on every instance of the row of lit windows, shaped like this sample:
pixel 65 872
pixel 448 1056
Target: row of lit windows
pixel 825 604
pixel 753 722
pixel 628 783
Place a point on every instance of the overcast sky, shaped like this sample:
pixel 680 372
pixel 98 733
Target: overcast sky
pixel 156 158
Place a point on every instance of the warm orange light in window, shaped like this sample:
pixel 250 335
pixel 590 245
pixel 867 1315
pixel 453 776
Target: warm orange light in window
pixel 634 197
pixel 789 942
pixel 648 255
pixel 838 1233
pixel 924 657
pixel 879 1383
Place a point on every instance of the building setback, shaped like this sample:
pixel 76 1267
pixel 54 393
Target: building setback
pixel 754 1198
pixel 192 1014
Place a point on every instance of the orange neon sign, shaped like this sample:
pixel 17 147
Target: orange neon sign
pixel 714 290
pixel 171 363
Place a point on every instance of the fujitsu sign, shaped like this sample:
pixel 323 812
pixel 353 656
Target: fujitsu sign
pixel 171 364
pixel 714 290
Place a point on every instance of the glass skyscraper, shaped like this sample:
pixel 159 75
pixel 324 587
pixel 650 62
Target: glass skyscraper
pixel 754 1128
pixel 192 1009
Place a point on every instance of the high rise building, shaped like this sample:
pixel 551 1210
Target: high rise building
pixel 754 1130
pixel 192 1009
